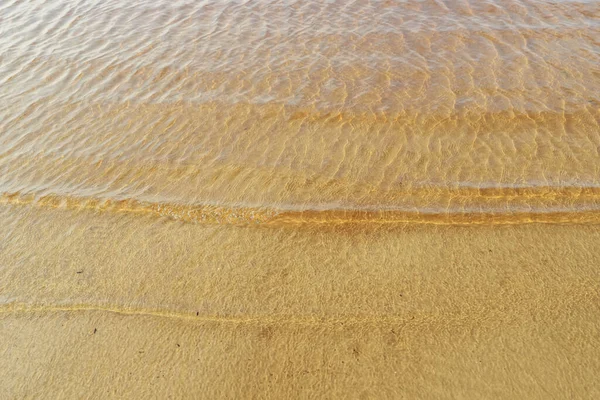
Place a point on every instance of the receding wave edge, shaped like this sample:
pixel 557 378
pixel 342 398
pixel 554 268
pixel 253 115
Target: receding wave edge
pixel 553 209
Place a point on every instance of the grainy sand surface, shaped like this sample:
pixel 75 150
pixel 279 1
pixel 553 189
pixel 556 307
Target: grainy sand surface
pixel 299 199
pixel 118 306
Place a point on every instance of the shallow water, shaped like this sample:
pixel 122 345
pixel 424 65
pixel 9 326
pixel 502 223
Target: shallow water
pixel 234 199
pixel 230 111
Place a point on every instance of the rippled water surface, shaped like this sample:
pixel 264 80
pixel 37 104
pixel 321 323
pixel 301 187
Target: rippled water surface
pixel 260 199
pixel 272 110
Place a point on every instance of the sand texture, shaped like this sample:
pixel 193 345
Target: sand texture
pixel 227 199
pixel 121 306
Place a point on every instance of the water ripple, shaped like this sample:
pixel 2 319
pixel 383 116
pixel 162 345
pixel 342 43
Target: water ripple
pixel 376 108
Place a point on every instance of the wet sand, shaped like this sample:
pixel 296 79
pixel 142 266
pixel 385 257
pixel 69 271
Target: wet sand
pixel 299 199
pixel 120 306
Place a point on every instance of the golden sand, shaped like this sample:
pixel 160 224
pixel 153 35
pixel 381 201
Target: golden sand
pixel 299 199
pixel 126 306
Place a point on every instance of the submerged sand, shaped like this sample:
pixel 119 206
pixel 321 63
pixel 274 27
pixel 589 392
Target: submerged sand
pixel 299 199
pixel 111 305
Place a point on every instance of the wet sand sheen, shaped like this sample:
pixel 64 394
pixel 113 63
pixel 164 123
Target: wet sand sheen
pixel 116 305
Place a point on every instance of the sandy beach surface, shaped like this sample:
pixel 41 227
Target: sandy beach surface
pixel 282 199
pixel 110 305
